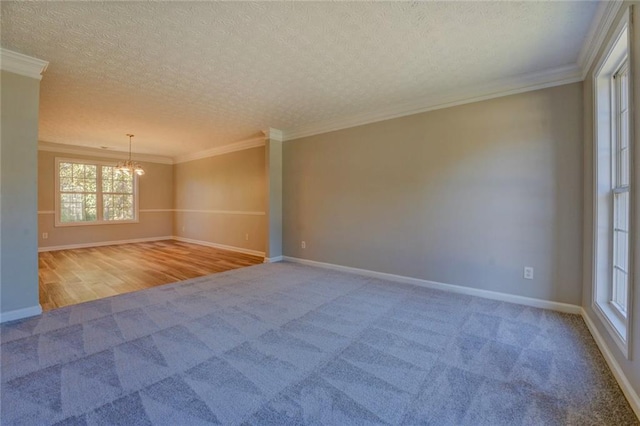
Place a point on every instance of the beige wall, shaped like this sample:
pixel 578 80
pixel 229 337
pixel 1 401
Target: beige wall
pixel 217 200
pixel 155 193
pixel 18 186
pixel 631 367
pixel 467 195
pixel 221 199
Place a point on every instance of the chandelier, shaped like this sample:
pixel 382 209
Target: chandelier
pixel 130 165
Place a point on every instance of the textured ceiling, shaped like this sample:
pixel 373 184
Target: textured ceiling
pixel 186 77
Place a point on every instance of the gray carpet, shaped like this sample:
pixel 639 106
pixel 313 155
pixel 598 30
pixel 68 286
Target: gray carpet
pixel 289 344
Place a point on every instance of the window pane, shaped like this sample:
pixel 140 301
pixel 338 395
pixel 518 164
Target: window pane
pixel 78 208
pixel 624 88
pixel 128 202
pixel 119 186
pixel 91 185
pixel 124 185
pixel 91 207
pixel 116 181
pixel 66 170
pixel 77 170
pixel 122 175
pixel 624 125
pixel 77 177
pixel 66 184
pixel 621 210
pixel 620 291
pixel 118 207
pixel 127 207
pixel 107 179
pixel 620 251
pixel 91 171
pixel 83 185
pixel 107 207
pixel 621 254
pixel 623 153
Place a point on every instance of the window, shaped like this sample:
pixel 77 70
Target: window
pixel 613 195
pixel 620 190
pixel 91 192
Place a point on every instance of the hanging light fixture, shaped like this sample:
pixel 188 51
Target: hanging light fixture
pixel 130 165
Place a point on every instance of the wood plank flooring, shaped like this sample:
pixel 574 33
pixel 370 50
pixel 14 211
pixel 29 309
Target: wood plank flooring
pixel 68 277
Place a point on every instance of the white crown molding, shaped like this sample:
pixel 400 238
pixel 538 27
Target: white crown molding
pixel 600 26
pixel 22 64
pixel 95 152
pixel 504 87
pixel 606 13
pixel 220 150
pixel 274 134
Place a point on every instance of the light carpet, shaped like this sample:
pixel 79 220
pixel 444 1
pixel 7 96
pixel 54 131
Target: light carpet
pixel 290 344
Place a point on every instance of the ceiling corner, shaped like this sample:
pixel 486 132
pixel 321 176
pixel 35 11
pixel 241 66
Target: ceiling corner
pixel 219 150
pixel 275 134
pixel 598 30
pixel 501 87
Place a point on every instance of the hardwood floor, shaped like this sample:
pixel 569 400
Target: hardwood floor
pixel 68 277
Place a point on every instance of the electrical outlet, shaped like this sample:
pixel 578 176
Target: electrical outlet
pixel 45 235
pixel 303 245
pixel 528 272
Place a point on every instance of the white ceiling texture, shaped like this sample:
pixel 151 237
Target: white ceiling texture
pixel 192 76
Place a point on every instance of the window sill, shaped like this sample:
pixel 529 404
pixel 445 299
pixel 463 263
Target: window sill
pixel 616 328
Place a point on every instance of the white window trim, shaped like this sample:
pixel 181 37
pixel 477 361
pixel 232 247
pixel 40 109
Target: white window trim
pixel 58 223
pixel 618 327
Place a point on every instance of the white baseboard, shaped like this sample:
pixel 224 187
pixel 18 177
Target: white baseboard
pixel 621 378
pixel 487 294
pixel 103 243
pixel 219 246
pixel 146 240
pixel 20 313
pixel 273 259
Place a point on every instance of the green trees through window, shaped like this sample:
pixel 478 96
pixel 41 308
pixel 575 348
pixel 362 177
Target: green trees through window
pixel 94 193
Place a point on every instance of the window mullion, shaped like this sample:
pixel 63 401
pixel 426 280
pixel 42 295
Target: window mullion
pixel 99 193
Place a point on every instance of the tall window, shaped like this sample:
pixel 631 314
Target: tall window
pixel 620 190
pixel 117 194
pixel 89 192
pixel 613 175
